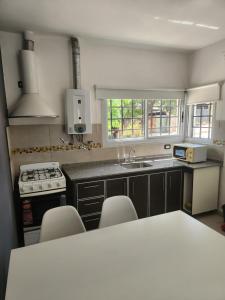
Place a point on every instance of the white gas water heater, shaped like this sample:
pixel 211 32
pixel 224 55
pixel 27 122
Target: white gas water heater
pixel 77 108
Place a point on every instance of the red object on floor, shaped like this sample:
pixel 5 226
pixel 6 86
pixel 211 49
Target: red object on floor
pixel 223 227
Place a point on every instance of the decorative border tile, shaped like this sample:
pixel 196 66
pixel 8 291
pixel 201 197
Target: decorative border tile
pixel 55 148
pixel 219 142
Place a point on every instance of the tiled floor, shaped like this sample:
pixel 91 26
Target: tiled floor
pixel 212 220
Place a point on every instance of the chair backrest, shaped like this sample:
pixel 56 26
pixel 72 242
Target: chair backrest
pixel 116 210
pixel 60 222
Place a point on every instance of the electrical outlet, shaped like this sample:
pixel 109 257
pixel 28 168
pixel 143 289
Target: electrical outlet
pixel 167 146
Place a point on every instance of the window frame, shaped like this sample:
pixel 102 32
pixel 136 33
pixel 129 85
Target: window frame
pixel 146 139
pixel 123 117
pixel 189 120
pixel 178 117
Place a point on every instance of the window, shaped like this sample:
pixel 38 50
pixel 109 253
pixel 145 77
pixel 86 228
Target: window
pixel 163 117
pixel 201 120
pixel 125 118
pixel 142 119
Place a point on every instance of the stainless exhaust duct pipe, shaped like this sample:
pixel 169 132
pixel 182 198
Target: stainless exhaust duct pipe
pixel 28 40
pixel 76 63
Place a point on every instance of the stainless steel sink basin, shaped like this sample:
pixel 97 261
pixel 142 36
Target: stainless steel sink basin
pixel 136 165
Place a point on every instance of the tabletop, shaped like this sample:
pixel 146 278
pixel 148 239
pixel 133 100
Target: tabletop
pixel 170 256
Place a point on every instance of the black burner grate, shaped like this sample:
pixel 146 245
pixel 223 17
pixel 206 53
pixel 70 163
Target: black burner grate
pixel 40 174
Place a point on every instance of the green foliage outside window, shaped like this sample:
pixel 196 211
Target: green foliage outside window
pixel 126 118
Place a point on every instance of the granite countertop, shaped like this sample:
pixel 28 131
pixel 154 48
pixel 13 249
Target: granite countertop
pixel 89 170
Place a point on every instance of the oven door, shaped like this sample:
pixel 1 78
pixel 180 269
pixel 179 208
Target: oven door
pixel 33 209
pixel 180 152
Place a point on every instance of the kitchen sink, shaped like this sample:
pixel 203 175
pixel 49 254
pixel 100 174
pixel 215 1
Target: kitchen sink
pixel 136 165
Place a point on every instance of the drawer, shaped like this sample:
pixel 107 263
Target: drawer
pixel 90 206
pixel 91 222
pixel 90 189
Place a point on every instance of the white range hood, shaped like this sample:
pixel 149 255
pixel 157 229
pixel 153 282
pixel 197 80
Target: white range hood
pixel 30 104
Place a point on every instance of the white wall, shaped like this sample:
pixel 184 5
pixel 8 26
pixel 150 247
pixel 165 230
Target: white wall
pixel 101 64
pixel 53 68
pixel 117 66
pixel 207 65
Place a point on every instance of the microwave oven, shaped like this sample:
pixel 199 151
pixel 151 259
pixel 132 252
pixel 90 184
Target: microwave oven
pixel 191 153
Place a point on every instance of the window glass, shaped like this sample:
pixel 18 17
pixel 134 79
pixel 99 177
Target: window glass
pixel 127 118
pixel 201 120
pixel 163 117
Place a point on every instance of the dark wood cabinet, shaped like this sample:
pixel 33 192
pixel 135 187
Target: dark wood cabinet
pixel 157 194
pixel 116 187
pixel 91 222
pixel 174 190
pixel 138 192
pixel 151 194
pixel 90 189
pixel 90 206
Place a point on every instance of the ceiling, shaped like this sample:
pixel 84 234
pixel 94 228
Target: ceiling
pixel 177 24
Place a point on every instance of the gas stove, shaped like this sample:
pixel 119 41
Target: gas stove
pixel 41 179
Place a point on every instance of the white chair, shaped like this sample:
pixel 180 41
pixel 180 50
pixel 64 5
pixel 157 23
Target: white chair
pixel 60 222
pixel 116 210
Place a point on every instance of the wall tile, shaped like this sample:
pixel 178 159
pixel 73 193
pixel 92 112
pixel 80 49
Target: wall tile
pixel 58 131
pixel 96 135
pixel 55 133
pixel 29 136
pixel 215 152
pixel 24 159
pixel 48 135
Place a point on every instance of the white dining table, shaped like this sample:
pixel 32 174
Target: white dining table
pixel 166 257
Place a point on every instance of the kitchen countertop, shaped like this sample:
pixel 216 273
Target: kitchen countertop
pixel 80 171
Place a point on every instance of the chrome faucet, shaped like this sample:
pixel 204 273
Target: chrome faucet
pixel 130 156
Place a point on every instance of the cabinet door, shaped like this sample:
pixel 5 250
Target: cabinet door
pixel 174 190
pixel 115 187
pixel 91 222
pixel 138 192
pixel 205 189
pixel 157 194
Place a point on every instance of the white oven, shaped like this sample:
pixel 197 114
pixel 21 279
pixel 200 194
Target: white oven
pixel 42 186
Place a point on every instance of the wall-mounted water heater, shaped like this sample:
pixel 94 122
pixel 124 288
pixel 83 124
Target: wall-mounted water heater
pixel 78 112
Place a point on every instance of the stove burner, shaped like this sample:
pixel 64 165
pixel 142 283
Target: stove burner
pixel 40 174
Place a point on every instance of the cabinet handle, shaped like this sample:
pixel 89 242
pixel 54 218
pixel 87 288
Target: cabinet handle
pixel 163 184
pixel 91 220
pixel 93 203
pixel 91 186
